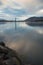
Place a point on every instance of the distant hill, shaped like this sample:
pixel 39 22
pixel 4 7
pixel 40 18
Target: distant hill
pixel 35 21
pixel 6 20
pixel 11 20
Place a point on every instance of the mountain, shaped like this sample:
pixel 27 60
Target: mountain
pixel 6 20
pixel 35 21
pixel 2 20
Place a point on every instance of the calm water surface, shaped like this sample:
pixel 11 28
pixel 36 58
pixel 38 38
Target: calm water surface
pixel 26 40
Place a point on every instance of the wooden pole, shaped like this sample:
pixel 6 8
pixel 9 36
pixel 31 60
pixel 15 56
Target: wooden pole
pixel 15 23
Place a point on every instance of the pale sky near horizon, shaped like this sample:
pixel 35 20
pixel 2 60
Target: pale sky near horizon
pixel 22 9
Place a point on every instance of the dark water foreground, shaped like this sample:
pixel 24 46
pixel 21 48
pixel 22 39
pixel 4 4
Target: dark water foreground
pixel 8 56
pixel 26 40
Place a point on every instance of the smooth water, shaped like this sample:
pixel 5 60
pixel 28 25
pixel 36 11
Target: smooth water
pixel 25 39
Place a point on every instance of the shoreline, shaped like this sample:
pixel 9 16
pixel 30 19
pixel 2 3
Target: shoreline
pixel 35 23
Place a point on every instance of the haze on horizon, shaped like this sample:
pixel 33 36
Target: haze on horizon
pixel 22 9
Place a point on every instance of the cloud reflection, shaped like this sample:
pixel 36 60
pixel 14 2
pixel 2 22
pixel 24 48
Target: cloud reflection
pixel 27 41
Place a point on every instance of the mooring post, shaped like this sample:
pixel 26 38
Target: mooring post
pixel 15 23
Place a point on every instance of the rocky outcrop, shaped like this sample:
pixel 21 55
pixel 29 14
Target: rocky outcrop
pixel 8 56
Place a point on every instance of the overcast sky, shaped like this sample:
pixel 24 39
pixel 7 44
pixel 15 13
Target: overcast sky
pixel 22 9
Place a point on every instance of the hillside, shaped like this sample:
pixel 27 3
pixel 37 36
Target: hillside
pixel 2 20
pixel 34 21
pixel 6 20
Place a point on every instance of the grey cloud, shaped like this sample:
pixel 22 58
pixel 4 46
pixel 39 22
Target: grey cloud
pixel 1 3
pixel 34 7
pixel 29 45
pixel 41 1
pixel 30 8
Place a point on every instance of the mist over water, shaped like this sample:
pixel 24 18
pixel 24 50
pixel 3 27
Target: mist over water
pixel 26 40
